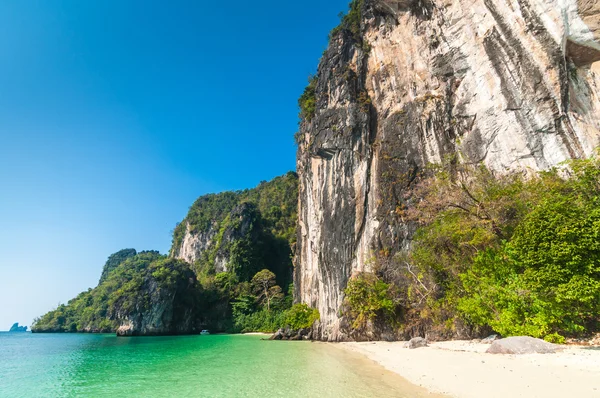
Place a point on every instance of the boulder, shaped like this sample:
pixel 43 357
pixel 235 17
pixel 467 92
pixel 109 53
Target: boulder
pixel 522 345
pixel 278 335
pixel 416 342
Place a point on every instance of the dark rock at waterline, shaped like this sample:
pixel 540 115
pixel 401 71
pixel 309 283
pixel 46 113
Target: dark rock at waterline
pixel 522 345
pixel 416 342
pixel 278 335
pixel 17 328
pixel 289 334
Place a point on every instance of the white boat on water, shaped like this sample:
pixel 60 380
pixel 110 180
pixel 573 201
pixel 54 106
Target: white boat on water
pixel 204 332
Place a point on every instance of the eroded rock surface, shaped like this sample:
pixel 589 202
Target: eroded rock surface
pixel 583 44
pixel 493 81
pixel 162 310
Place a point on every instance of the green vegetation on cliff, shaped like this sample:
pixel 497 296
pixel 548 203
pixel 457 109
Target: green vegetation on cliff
pixel 277 202
pixel 516 255
pixel 115 260
pixel 308 101
pixel 350 21
pixel 132 289
pixel 241 282
pixel 246 233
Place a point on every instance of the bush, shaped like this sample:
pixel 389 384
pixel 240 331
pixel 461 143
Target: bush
pixel 351 21
pixel 555 338
pixel 368 298
pixel 308 100
pixel 260 321
pixel 301 316
pixel 519 256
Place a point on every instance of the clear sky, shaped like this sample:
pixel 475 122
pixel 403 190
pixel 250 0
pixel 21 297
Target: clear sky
pixel 116 114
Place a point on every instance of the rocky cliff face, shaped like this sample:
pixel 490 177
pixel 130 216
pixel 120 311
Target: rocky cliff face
pixel 507 83
pixel 241 232
pixel 163 306
pixel 145 294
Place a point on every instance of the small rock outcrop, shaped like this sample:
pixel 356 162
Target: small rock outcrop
pixel 290 334
pixel 16 328
pixel 416 342
pixel 522 345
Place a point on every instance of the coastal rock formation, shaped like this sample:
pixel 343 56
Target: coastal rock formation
pixel 506 83
pixel 522 345
pixel 290 334
pixel 145 294
pixel 164 307
pixel 242 232
pixel 16 328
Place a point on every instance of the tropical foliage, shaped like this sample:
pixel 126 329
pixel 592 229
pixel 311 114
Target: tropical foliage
pixel 129 288
pixel 252 229
pixel 276 200
pixel 515 254
pixel 308 101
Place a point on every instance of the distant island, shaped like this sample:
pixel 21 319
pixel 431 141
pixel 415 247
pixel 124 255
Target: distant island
pixel 17 328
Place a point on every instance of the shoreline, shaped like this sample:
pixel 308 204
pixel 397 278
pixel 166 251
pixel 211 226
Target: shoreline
pixel 254 334
pixel 462 369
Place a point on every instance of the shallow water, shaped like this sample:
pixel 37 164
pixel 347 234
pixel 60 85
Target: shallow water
pixel 68 365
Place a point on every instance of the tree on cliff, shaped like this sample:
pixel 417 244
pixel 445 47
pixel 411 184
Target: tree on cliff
pixel 265 288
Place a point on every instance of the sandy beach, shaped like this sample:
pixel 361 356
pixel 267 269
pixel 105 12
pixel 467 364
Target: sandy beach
pixel 462 369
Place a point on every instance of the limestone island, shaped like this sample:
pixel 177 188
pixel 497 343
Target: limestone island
pixel 17 328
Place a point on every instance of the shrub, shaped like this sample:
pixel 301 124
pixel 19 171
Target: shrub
pixel 301 316
pixel 519 256
pixel 368 298
pixel 308 100
pixel 351 21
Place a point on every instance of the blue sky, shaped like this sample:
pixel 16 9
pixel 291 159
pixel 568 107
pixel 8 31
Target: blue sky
pixel 115 115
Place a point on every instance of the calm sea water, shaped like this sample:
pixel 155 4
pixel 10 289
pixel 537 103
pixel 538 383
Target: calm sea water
pixel 65 365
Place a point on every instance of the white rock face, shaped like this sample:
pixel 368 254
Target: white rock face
pixel 194 245
pixel 508 83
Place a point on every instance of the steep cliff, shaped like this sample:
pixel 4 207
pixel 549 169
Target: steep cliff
pixel 241 232
pixel 144 294
pixel 508 84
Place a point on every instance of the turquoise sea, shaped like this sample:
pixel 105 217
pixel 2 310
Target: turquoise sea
pixel 83 365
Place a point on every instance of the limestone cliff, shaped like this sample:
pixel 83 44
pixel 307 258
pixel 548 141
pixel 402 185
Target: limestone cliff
pixel 507 83
pixel 167 301
pixel 242 232
pixel 145 294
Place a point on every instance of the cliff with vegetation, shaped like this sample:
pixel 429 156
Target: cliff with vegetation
pixel 448 186
pixel 242 232
pixel 230 269
pixel 145 294
pixel 510 86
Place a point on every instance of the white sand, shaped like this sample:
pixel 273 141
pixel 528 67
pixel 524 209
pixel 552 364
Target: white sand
pixel 462 369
